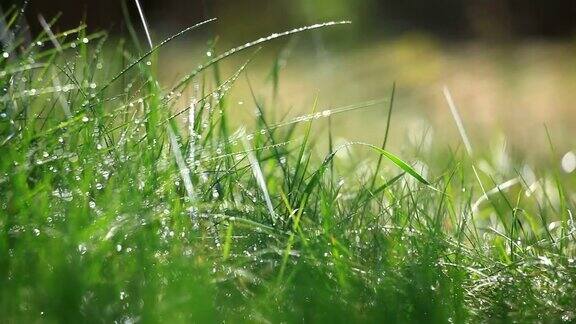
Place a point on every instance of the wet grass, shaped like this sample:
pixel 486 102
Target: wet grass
pixel 125 200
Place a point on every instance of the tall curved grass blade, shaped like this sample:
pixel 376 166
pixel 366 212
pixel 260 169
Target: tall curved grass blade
pixel 259 41
pixel 154 49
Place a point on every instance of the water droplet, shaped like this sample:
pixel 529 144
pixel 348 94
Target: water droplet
pixel 5 55
pixel 552 226
pixel 544 260
pixel 568 316
pixel 118 247
pixel 85 40
pixel 63 194
pixel 85 119
pixel 569 162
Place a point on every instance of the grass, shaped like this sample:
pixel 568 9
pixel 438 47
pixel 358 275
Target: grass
pixel 125 200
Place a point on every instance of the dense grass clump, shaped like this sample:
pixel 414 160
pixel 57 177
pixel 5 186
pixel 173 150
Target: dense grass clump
pixel 125 200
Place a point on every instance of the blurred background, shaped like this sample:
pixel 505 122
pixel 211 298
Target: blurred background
pixel 453 19
pixel 510 64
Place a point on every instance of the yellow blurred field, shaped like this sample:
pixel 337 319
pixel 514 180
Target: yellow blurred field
pixel 503 91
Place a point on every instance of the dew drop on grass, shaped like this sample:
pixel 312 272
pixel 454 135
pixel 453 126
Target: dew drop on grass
pixel 569 162
pixel 82 248
pixel 545 261
pixel 63 194
pixel 554 225
pixel 5 55
pixel 85 119
pixel 118 248
pixel 36 232
pixel 85 40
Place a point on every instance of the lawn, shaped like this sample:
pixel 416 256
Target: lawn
pixel 126 199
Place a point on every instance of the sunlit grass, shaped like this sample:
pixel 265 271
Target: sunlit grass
pixel 124 199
